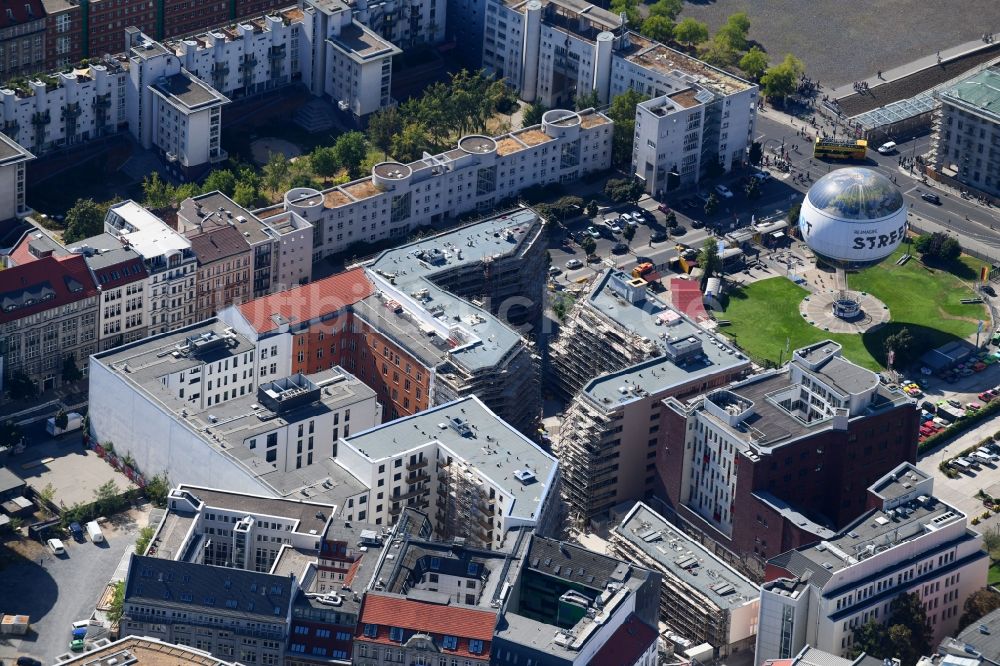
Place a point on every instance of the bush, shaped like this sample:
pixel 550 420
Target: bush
pixel 958 427
pixel 142 542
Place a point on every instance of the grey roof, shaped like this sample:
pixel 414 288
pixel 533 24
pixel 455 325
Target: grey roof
pixel 816 525
pixel 217 590
pixel 810 656
pixel 188 91
pixel 9 481
pixel 492 446
pixel 309 516
pixel 846 376
pixel 987 644
pixel 414 266
pixel 11 151
pixel 686 560
pixel 218 210
pixel 657 374
pixel 109 251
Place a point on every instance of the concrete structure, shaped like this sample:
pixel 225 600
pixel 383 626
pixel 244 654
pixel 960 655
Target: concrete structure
pixel 482 477
pixel 190 403
pixel 965 140
pixel 425 310
pixel 13 163
pixel 572 606
pixel 228 612
pixel 22 38
pixel 280 248
pixel 48 317
pixel 140 651
pixel 477 175
pixel 703 599
pixel 784 458
pixel 170 262
pixel 907 542
pixel 620 353
pixel 124 282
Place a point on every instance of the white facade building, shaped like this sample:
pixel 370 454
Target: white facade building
pixel 405 23
pixel 476 175
pixel 169 259
pixel 13 164
pixel 909 542
pixel 482 476
pixel 188 403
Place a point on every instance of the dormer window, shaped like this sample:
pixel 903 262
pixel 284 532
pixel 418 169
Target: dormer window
pixel 396 634
pixel 450 643
pixel 371 630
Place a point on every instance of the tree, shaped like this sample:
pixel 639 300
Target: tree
pixel 143 539
pixel 10 433
pixel 70 373
pixel 671 220
pixel 245 195
pixel 628 232
pixel 157 490
pixel 991 539
pixel 709 259
pixel 622 112
pixel 45 497
pixel 720 53
pixel 84 219
pixel 753 189
pixel 588 245
pixel 592 208
pixel 533 114
pixel 979 604
pixel 939 246
pixel 620 190
pixel 666 8
pixel 905 636
pixel 754 63
pixel 782 79
pixel 734 31
pixel 274 174
pixel 324 161
pixel 629 8
pixel 21 387
pixel 222 180
pixel 62 419
pixel 901 344
pixel 410 143
pixel 659 28
pixel 117 603
pixel 793 213
pixel 712 204
pixel 756 153
pixel 351 149
pixel 382 127
pixel 587 100
pixel 107 497
pixel 690 32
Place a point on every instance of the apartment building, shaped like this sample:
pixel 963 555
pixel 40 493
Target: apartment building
pixel 280 247
pixel 13 165
pixel 783 458
pixel 22 38
pixel 170 262
pixel 417 323
pixel 405 24
pixel 190 403
pixel 702 599
pixel 965 138
pixel 231 613
pixel 223 269
pixel 139 651
pixel 48 318
pixel 906 542
pixel 621 352
pixel 123 279
pixel 478 175
pixel 476 476
pixel 569 606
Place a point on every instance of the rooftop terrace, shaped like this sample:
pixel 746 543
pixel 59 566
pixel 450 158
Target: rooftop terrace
pixel 668 61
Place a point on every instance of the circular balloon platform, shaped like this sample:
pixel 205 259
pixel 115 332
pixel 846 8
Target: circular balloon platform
pixel 839 311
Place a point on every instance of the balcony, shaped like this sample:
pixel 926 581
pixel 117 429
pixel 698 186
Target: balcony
pixel 419 490
pixel 420 464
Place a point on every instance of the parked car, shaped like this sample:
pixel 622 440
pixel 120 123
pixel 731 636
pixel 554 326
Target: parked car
pixel 723 191
pixel 593 232
pixel 554 271
pixel 28 661
pixel 887 148
pixel 663 208
pixel 761 176
pixel 619 248
pixel 574 264
pixel 56 546
pixel 658 236
pixel 930 197
pixel 77 532
pixel 613 226
pixel 697 224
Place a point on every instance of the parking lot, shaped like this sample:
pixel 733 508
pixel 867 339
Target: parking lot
pixel 57 591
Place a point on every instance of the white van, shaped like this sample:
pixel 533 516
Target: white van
pixel 56 546
pixel 960 464
pixel 887 148
pixel 94 532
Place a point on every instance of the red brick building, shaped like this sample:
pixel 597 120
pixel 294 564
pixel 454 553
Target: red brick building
pixel 782 459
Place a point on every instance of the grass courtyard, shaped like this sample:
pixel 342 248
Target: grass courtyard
pixel 926 300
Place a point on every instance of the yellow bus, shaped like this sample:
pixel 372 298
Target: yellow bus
pixel 840 149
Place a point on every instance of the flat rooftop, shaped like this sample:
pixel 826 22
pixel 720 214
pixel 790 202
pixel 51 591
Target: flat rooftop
pixel 670 62
pixel 362 42
pixel 306 515
pixel 477 339
pixel 148 234
pixel 685 559
pixel 654 319
pixel 900 482
pixel 980 91
pixel 11 151
pixel 215 209
pixel 134 651
pixel 187 91
pixel 495 449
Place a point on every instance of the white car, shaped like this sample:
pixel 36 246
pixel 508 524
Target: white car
pixel 56 546
pixel 593 232
pixel 887 148
pixel 613 226
pixel 762 176
pixel 723 191
pixel 554 270
pixel 574 264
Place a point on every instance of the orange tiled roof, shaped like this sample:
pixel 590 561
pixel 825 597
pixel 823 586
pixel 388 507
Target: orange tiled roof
pixel 437 620
pixel 309 301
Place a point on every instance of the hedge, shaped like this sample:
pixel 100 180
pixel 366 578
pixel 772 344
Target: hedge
pixel 959 426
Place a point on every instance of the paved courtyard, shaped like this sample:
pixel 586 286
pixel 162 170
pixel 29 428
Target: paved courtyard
pixel 844 42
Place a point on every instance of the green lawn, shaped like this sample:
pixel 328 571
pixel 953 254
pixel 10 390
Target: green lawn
pixel 927 301
pixel 994 574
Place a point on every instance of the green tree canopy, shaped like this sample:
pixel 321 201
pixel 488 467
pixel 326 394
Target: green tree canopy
pixel 906 635
pixel 324 161
pixel 734 31
pixel 410 143
pixel 659 28
pixel 708 258
pixel 781 80
pixel 351 149
pixel 979 604
pixel 630 8
pixel 939 246
pixel 383 126
pixel 84 219
pixel 70 373
pixel 754 63
pixel 667 8
pixel 720 53
pixel 691 32
pixel 622 111
pixel 588 245
pixel 274 174
pixel 587 100
pixel 902 345
pixel 222 180
pixel 532 114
